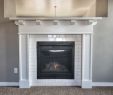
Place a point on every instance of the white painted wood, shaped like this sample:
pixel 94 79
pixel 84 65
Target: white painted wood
pixel 91 57
pixel 104 84
pixel 86 61
pixel 55 18
pixel 23 61
pixel 24 83
pixel 55 29
pixel 94 84
pixel 30 33
pixel 9 84
pixel 57 82
pixel 47 27
pixel 86 84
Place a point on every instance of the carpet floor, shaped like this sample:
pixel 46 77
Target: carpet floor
pixel 55 91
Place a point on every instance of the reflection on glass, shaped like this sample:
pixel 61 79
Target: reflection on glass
pixel 56 50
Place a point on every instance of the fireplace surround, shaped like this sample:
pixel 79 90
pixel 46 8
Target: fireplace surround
pixel 61 38
pixel 33 33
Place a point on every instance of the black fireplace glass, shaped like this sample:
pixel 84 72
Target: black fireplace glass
pixel 55 60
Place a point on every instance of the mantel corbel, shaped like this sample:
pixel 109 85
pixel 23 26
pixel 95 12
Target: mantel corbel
pixel 93 22
pixel 20 22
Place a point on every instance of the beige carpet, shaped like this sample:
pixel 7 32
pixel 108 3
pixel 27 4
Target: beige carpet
pixel 55 91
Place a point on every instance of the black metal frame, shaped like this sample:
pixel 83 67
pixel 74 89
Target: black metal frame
pixel 55 75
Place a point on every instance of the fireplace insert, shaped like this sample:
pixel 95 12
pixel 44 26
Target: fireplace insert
pixel 55 60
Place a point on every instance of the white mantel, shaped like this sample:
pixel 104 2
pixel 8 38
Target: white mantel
pixel 29 27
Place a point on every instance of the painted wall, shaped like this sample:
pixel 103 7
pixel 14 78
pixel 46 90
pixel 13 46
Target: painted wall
pixel 3 55
pixel 103 48
pixel 8 52
pixel 8 48
pixel 102 54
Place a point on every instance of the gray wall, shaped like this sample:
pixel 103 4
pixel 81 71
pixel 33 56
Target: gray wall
pixel 8 48
pixel 8 52
pixel 102 54
pixel 3 55
pixel 103 48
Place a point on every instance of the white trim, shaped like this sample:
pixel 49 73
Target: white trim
pixel 102 84
pixel 24 84
pixel 86 61
pixel 93 84
pixel 55 18
pixel 48 28
pixel 57 82
pixel 87 84
pixel 91 49
pixel 23 61
pixel 9 83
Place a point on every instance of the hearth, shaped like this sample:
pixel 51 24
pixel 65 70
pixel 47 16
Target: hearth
pixel 55 60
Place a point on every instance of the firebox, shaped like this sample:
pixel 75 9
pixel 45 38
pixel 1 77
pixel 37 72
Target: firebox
pixel 55 60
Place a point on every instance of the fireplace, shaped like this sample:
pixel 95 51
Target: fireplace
pixel 55 60
pixel 55 54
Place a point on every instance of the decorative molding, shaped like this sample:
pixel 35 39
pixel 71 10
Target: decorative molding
pixel 73 22
pixel 38 22
pixel 102 84
pixel 9 83
pixel 55 22
pixel 93 22
pixel 49 28
pixel 20 22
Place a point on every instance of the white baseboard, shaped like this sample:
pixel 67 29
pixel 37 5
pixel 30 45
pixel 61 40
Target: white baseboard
pixel 9 83
pixel 93 84
pixel 102 84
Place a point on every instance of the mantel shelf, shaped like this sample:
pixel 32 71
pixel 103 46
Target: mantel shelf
pixel 55 18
